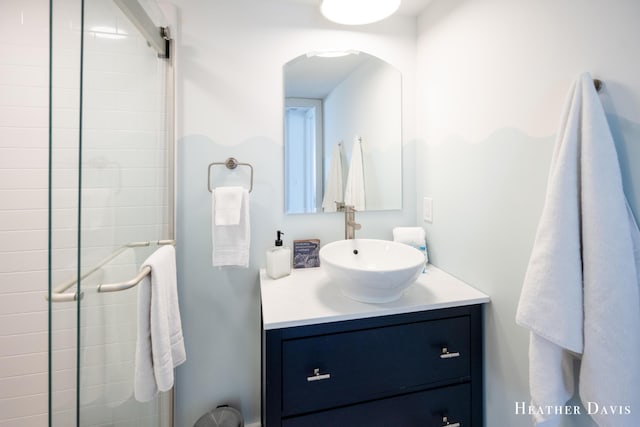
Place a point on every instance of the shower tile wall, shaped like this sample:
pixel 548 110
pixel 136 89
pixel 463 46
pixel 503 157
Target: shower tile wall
pixel 24 61
pixel 124 199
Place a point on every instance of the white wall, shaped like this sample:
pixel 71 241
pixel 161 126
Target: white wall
pixel 493 76
pixel 230 103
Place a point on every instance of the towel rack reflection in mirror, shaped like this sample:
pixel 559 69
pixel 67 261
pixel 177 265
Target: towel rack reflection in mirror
pixel 230 163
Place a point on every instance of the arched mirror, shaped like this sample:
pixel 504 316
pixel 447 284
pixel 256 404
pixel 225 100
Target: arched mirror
pixel 343 133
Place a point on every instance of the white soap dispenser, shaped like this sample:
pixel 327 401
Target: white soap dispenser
pixel 279 259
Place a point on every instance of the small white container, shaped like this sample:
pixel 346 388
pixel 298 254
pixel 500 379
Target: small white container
pixel 279 259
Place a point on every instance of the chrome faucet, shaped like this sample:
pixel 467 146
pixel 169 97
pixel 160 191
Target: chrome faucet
pixel 350 224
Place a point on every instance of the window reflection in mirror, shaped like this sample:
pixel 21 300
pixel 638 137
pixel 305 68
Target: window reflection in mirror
pixel 303 157
pixel 337 100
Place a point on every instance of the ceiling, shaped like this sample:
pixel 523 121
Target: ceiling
pixel 412 7
pixel 407 7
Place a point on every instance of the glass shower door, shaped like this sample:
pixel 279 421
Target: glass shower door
pixel 119 168
pixel 64 208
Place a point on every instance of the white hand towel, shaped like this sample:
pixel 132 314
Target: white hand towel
pixel 580 295
pixel 354 193
pixel 228 205
pixel 333 189
pixel 159 345
pixel 231 242
pixel 413 236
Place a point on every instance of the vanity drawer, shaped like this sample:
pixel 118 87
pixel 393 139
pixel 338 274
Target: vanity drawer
pixel 325 371
pixel 433 408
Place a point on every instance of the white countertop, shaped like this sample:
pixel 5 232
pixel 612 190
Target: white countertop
pixel 307 297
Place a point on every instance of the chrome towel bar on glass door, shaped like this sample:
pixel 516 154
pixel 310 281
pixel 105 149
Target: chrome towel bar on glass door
pixel 59 294
pixel 122 286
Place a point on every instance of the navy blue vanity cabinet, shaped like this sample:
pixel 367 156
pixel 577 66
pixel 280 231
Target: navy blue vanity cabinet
pixel 416 369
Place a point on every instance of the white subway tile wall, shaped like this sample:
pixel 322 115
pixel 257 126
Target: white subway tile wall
pixel 124 199
pixel 24 62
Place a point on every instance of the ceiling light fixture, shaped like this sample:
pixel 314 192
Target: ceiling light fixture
pixel 358 12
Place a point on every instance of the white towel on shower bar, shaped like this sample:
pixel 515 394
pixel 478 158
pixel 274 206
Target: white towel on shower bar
pixel 160 344
pixel 354 193
pixel 231 242
pixel 580 297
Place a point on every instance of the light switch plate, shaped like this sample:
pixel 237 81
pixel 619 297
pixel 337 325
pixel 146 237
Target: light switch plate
pixel 427 209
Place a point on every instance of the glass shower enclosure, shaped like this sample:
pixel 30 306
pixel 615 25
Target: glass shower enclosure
pixel 110 202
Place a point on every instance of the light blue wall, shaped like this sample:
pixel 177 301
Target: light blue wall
pixel 492 78
pixel 489 197
pixel 626 134
pixel 230 103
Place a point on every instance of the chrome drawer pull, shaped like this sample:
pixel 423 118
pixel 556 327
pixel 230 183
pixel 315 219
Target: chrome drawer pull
pixel 317 376
pixel 447 355
pixel 446 423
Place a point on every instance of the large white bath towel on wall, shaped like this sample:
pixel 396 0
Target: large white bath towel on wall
pixel 580 296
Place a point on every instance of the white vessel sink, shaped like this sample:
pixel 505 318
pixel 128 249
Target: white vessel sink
pixel 371 270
